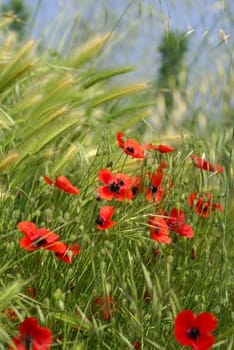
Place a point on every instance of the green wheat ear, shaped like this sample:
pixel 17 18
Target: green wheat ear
pixel 8 161
pixel 17 66
pixel 44 102
pixel 88 51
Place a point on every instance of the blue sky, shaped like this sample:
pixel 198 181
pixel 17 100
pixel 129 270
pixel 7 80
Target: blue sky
pixel 138 27
pixel 139 31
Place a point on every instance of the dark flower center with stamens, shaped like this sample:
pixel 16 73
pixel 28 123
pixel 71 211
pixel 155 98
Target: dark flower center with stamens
pixel 100 221
pixel 153 189
pixel 115 187
pixel 174 225
pixel 28 342
pixel 193 333
pixel 156 229
pixel 39 242
pixel 134 190
pixel 130 149
pixel 205 208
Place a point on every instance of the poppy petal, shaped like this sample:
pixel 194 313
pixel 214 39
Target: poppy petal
pixel 206 322
pixel 159 230
pixel 57 247
pixel 41 336
pixel 200 162
pixel 105 193
pixel 156 179
pixel 186 231
pixel 184 320
pixel 120 139
pixel 106 225
pixel 205 342
pixel 48 235
pixel 105 176
pixel 106 212
pixel 160 148
pixel 69 253
pixel 48 180
pixel 218 206
pixel 29 229
pixel 27 244
pixel 134 149
pixel 191 198
pixel 193 331
pixel 149 146
pixel 65 185
pixel 165 149
pixel 124 193
pixel 178 216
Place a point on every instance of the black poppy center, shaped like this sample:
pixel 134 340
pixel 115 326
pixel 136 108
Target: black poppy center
pixel 28 342
pixel 153 189
pixel 39 242
pixel 173 226
pixel 130 149
pixel 205 208
pixel 134 190
pixel 115 186
pixel 100 221
pixel 193 333
pixel 156 229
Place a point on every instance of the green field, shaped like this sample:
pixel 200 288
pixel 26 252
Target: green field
pixel 75 138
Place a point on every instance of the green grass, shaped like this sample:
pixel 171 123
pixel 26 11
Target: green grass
pixel 57 120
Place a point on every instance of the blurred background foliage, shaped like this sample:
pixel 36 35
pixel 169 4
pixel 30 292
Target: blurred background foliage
pixel 194 37
pixel 70 68
pixel 19 12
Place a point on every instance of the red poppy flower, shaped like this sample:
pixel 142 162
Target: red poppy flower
pixel 69 253
pixel 36 238
pixel 159 230
pixel 192 254
pixel 63 184
pixel 155 190
pixel 217 206
pixel 32 336
pixel 176 223
pixel 200 205
pixel 203 205
pixel 31 292
pixel 194 331
pixel 204 164
pixel 160 148
pixel 11 314
pixel 162 165
pixel 119 186
pixel 137 345
pixel 105 215
pixel 135 185
pixel 104 306
pixel 131 147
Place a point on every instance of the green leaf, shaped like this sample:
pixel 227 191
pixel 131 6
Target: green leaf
pixel 39 140
pixel 118 93
pixel 96 77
